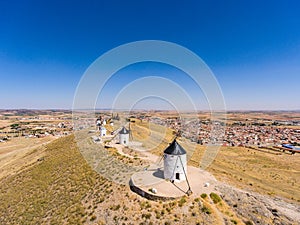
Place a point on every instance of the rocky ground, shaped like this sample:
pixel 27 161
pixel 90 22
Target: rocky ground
pixel 259 208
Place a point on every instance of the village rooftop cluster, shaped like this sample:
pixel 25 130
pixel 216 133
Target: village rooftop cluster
pixel 246 132
pixel 240 131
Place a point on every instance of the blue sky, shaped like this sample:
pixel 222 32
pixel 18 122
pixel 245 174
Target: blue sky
pixel 252 47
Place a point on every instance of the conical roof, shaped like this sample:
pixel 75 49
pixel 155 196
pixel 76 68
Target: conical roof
pixel 175 149
pixel 124 131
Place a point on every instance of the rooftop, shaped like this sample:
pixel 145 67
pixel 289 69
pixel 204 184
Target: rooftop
pixel 175 149
pixel 124 131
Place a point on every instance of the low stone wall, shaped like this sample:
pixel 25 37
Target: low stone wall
pixel 148 195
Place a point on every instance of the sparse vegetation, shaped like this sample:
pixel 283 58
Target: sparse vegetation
pixel 63 189
pixel 146 216
pixel 263 171
pixel 215 198
pixel 206 210
pixel 181 202
pixel 204 195
pixel 234 221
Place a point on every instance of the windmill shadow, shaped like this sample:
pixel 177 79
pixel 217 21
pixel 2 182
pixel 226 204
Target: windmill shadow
pixel 159 173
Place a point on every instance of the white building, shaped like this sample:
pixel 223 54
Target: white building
pixel 124 136
pixel 102 131
pixel 175 165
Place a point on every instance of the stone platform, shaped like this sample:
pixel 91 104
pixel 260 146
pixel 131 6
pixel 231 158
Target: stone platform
pixel 142 182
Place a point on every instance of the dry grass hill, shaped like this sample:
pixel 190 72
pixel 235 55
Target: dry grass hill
pixel 62 188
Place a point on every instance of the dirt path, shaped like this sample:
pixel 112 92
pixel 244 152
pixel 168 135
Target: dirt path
pixel 119 148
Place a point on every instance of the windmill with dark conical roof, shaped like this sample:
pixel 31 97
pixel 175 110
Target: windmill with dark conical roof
pixel 124 136
pixel 175 164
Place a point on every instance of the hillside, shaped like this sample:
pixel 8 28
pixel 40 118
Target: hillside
pixel 63 189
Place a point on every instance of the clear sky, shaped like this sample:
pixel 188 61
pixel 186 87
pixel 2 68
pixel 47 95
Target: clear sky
pixel 252 47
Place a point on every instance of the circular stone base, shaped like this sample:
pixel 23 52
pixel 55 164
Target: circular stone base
pixel 152 178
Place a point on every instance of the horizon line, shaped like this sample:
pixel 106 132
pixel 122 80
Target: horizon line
pixel 167 110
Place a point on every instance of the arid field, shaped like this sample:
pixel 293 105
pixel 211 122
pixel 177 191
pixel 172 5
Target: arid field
pixel 47 180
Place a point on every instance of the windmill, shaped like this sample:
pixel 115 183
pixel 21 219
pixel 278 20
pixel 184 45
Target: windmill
pixel 175 165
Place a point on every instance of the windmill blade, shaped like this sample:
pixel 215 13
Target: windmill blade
pixel 130 131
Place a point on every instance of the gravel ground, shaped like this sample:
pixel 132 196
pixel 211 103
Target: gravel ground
pixel 259 208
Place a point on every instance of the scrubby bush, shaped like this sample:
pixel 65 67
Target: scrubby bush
pixel 181 202
pixel 233 221
pixel 216 198
pixel 93 217
pixel 248 223
pixel 206 210
pixel 204 195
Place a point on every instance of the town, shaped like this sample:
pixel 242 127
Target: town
pixel 245 131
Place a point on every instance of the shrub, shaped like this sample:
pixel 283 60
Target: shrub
pixel 248 223
pixel 148 216
pixel 93 217
pixel 234 221
pixel 204 195
pixel 148 205
pixel 181 202
pixel 206 210
pixel 117 207
pixel 216 198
